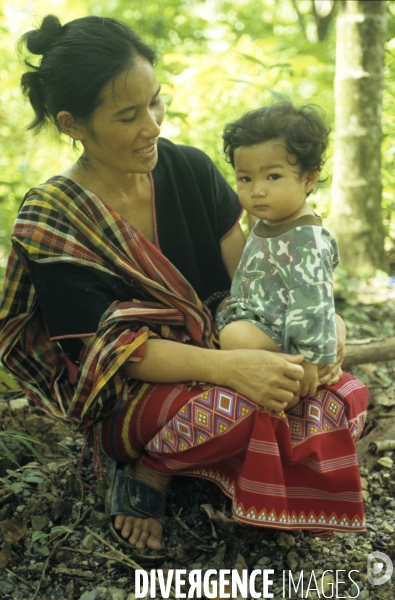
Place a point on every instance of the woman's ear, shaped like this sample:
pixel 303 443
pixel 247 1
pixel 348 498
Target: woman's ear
pixel 69 126
pixel 311 179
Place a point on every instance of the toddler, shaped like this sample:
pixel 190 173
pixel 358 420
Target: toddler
pixel 282 292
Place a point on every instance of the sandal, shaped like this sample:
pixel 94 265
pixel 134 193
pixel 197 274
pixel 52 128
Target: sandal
pixel 128 496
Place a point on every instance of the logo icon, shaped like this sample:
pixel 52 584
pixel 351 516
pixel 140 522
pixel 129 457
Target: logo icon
pixel 376 573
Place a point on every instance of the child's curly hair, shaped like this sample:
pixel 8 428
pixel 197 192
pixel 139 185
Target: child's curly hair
pixel 302 128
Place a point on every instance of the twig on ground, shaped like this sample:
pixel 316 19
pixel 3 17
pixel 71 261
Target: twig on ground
pixel 381 445
pixel 130 561
pixel 74 573
pixel 4 499
pixel 124 559
pixel 24 581
pixel 181 522
pixel 63 538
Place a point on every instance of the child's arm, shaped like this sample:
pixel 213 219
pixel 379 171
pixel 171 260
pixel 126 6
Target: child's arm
pixel 309 383
pixel 330 374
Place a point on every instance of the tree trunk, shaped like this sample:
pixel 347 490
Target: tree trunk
pixel 357 218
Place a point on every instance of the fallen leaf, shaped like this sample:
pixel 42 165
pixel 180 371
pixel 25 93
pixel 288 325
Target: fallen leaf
pixel 386 398
pixel 13 530
pixel 218 519
pixel 4 557
pixel 209 510
pixel 58 509
pixel 240 564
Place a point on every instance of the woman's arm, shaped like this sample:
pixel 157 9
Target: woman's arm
pixel 232 247
pixel 268 379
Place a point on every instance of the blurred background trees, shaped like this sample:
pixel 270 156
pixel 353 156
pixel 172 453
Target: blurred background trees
pixel 357 217
pixel 217 58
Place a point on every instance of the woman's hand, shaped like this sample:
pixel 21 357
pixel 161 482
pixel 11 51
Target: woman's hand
pixel 330 374
pixel 268 378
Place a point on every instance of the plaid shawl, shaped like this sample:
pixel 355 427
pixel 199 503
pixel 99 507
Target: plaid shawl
pixel 57 222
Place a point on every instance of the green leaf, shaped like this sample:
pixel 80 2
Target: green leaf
pixel 7 484
pixel 40 536
pixel 279 96
pixel 17 487
pixel 32 478
pixel 101 488
pixel 14 473
pixel 8 453
pixel 20 436
pixel 38 456
pixel 254 59
pixel 61 528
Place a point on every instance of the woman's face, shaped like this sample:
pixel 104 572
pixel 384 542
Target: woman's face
pixel 125 127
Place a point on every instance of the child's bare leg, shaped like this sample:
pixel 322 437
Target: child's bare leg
pixel 243 334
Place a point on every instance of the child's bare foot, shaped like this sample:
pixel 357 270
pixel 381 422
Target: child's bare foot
pixel 140 532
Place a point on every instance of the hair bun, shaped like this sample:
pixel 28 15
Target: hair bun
pixel 39 40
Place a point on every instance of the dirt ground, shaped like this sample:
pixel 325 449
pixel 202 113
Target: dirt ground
pixel 54 538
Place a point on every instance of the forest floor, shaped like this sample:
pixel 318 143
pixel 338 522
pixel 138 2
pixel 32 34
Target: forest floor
pixel 54 537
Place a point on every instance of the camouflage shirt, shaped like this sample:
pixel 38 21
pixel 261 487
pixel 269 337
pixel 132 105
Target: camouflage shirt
pixel 284 285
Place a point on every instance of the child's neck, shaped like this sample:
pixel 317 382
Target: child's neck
pixel 300 212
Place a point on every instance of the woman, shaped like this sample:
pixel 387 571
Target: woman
pixel 101 309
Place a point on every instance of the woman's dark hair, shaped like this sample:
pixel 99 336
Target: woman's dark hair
pixel 78 60
pixel 303 130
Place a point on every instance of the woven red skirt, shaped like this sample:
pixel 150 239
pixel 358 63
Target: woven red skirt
pixel 297 471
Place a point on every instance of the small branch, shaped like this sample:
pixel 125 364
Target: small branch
pixel 63 538
pixel 24 581
pixel 181 522
pixel 324 17
pixel 4 499
pixel 74 573
pixel 380 446
pixel 300 17
pixel 122 558
pixel 369 351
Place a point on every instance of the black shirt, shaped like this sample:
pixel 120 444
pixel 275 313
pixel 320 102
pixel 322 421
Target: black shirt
pixel 194 209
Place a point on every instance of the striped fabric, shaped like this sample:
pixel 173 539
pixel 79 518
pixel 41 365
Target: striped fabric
pixel 293 471
pixel 297 471
pixel 60 221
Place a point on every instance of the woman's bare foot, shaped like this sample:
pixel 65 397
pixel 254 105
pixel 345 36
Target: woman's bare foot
pixel 143 533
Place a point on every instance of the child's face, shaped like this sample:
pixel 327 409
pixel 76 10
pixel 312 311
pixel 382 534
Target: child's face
pixel 269 186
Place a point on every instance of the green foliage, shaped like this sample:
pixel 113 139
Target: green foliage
pixel 25 159
pixel 22 439
pixel 44 538
pixel 217 59
pixel 7 382
pixel 20 481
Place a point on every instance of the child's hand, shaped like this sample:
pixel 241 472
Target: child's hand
pixel 308 385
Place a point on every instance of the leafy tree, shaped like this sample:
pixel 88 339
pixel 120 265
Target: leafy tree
pixel 217 58
pixel 25 159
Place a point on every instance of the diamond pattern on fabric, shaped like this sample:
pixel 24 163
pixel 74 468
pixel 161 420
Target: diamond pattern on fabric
pixel 206 416
pixel 315 415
